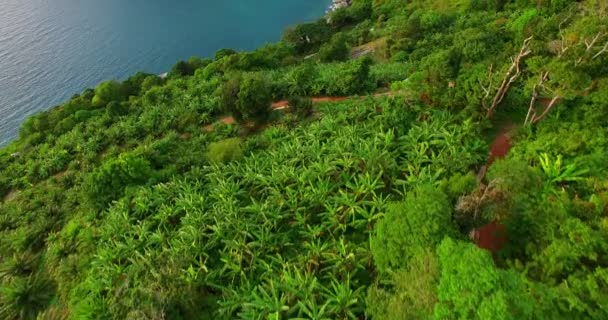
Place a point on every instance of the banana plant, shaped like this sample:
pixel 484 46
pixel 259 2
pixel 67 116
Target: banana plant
pixel 267 302
pixel 557 172
pixel 342 301
pixel 311 310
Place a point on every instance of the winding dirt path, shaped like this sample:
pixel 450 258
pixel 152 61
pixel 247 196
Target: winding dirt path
pixel 493 236
pixel 499 149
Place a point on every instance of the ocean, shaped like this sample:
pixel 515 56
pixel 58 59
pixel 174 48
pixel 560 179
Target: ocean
pixel 52 49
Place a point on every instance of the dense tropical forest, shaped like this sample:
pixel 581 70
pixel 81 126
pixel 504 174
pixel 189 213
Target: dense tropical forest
pixel 225 191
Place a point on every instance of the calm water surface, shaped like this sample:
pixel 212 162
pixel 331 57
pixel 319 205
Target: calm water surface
pixel 51 49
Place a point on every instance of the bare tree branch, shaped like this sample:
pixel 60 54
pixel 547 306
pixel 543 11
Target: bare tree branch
pixel 547 109
pixel 532 109
pixel 488 88
pixel 510 77
pixel 589 45
pixel 604 49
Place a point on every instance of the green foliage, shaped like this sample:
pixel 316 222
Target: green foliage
pixel 554 171
pixel 110 180
pixel 107 92
pixel 247 97
pixel 254 98
pixel 357 12
pixel 470 287
pixel 301 79
pixel 421 221
pixel 225 150
pixel 151 81
pixel 24 298
pixel 345 79
pixel 181 69
pixel 301 106
pixel 519 24
pixel 308 36
pixel 221 53
pixel 335 50
pixel 412 291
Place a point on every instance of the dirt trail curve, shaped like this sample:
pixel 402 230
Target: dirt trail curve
pixel 284 104
pixel 499 149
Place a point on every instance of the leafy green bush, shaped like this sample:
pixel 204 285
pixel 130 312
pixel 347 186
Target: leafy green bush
pixel 387 73
pixel 335 50
pixel 247 97
pixel 301 106
pixel 225 150
pixel 107 92
pixel 470 287
pixel 412 292
pixel 109 181
pixel 345 79
pixel 421 221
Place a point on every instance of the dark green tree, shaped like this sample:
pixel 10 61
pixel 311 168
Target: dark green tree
pixel 421 221
pixel 335 50
pixel 301 106
pixel 181 69
pixel 106 92
pixel 471 287
pixel 109 181
pixel 221 53
pixel 308 36
pixel 254 98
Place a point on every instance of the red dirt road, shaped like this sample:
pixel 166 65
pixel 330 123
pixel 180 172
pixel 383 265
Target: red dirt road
pixel 493 236
pixel 500 147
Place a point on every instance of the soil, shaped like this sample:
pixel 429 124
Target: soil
pixel 493 236
pixel 500 147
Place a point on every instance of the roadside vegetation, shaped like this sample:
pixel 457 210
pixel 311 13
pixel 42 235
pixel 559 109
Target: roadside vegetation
pixel 137 200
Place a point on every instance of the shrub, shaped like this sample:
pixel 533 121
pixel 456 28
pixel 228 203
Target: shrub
pixel 106 92
pixel 221 53
pixel 24 298
pixel 471 287
pixel 109 181
pixel 181 69
pixel 421 221
pixel 412 294
pixel 308 36
pixel 335 50
pixel 345 79
pixel 247 97
pixel 301 106
pixel 151 81
pixel 225 150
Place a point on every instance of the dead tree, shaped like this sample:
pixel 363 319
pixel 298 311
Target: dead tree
pixel 512 74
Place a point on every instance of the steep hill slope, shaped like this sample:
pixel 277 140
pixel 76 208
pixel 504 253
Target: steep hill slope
pixel 135 200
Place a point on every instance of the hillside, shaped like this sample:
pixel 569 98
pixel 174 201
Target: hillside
pixel 452 165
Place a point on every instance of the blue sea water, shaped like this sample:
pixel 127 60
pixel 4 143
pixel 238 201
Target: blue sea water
pixel 52 49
